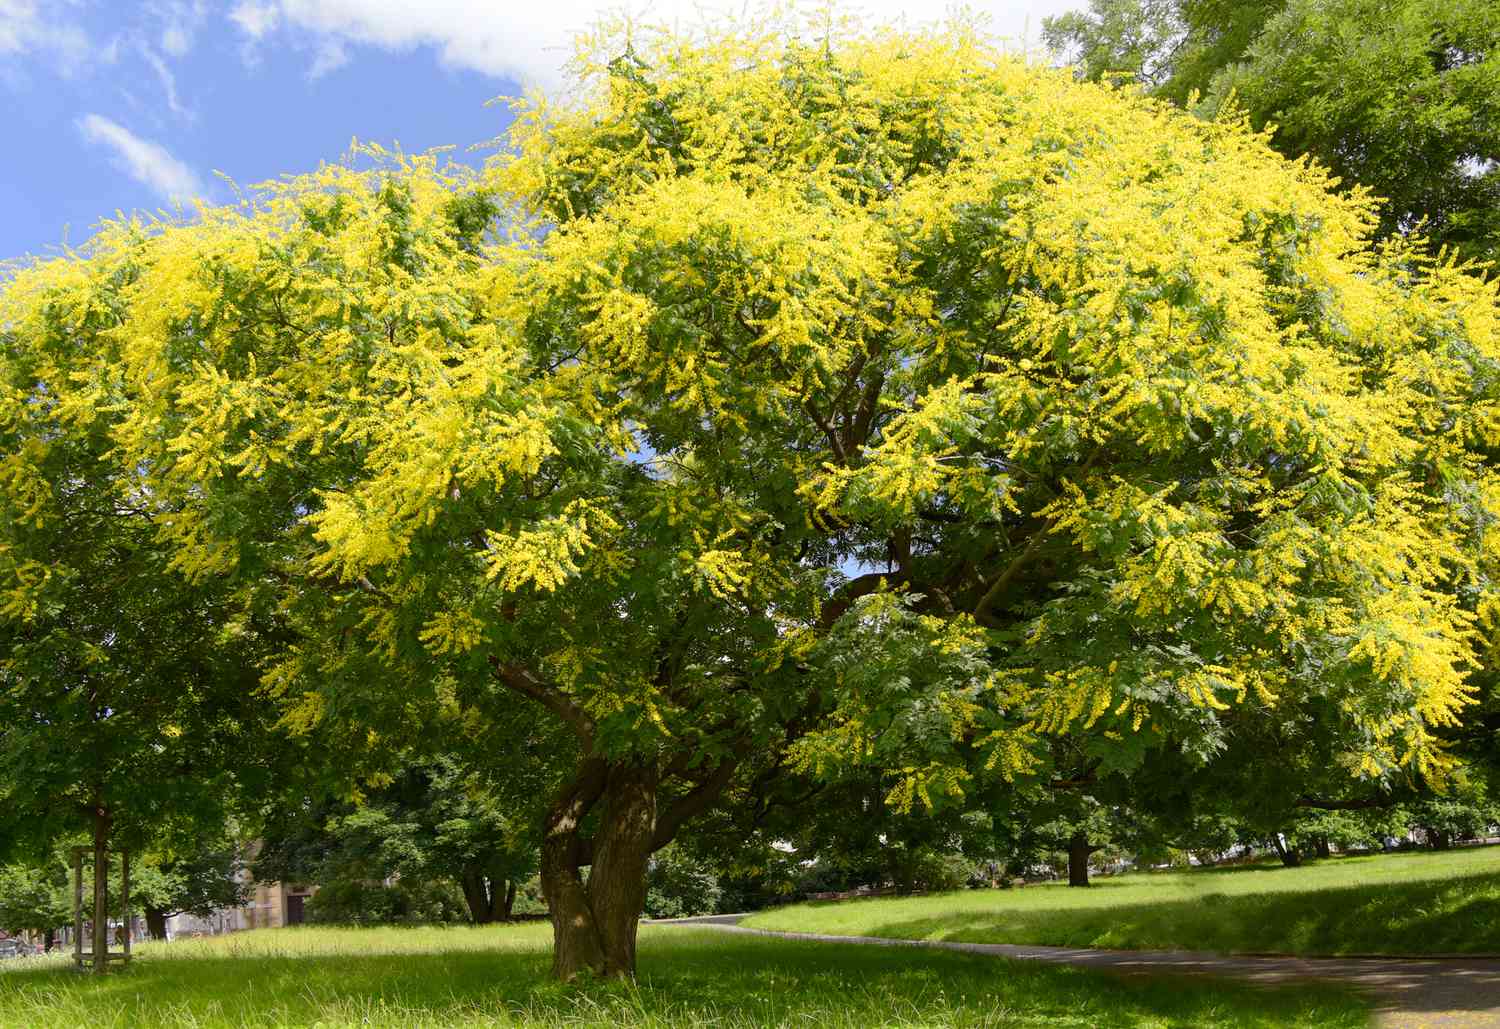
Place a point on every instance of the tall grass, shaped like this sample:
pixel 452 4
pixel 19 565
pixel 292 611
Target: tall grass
pixel 1437 903
pixel 388 978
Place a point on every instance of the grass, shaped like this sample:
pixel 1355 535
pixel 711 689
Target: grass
pixel 1433 903
pixel 497 977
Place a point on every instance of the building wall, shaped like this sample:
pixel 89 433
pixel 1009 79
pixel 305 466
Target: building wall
pixel 272 905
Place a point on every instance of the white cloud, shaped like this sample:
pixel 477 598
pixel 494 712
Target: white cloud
pixel 255 19
pixel 168 84
pixel 25 29
pixel 180 20
pixel 530 40
pixel 332 55
pixel 176 40
pixel 141 159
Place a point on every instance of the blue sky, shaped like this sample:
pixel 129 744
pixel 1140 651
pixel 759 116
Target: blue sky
pixel 125 104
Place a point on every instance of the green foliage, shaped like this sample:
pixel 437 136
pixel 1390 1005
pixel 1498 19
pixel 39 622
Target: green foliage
pixel 197 881
pixel 34 899
pixel 1403 99
pixel 678 885
pixel 351 901
pixel 435 828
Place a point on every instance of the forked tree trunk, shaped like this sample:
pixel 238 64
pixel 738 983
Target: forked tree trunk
pixel 1288 854
pixel 156 922
pixel 1078 859
pixel 489 900
pixel 594 922
pixel 476 897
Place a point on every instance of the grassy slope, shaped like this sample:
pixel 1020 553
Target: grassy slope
pixel 472 977
pixel 1393 904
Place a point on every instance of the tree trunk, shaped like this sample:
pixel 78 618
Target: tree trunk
pixel 101 890
pixel 476 897
pixel 1289 856
pixel 49 939
pixel 1321 848
pixel 594 923
pixel 1439 840
pixel 502 900
pixel 1078 859
pixel 156 922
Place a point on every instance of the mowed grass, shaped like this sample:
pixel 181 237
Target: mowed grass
pixel 1416 903
pixel 689 977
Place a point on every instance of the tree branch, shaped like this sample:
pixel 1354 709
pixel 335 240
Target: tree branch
pixel 519 680
pixel 693 803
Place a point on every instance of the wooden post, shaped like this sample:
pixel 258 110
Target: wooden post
pixel 125 899
pixel 78 908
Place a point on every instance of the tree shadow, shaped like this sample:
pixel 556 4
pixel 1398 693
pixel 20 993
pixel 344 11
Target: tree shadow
pixel 688 977
pixel 1456 916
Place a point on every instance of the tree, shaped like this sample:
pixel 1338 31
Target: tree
pixel 1403 98
pixel 200 881
pixel 127 695
pixel 35 899
pixel 1123 419
pixel 679 885
pixel 433 820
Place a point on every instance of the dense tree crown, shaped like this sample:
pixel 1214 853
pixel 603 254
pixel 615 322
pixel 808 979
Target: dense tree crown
pixel 1110 412
pixel 1401 96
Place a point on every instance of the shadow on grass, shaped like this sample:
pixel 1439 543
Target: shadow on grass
pixel 1432 916
pixel 688 978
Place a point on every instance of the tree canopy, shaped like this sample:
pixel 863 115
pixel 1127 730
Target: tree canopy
pixel 778 407
pixel 1400 97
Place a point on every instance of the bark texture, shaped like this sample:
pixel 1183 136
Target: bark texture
pixel 101 890
pixel 489 900
pixel 1288 854
pixel 156 923
pixel 594 921
pixel 1078 859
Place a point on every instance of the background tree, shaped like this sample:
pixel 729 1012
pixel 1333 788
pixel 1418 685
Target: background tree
pixel 128 697
pixel 202 880
pixel 1133 422
pixel 35 899
pixel 1401 97
pixel 387 857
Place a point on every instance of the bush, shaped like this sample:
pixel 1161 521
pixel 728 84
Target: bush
pixel 678 886
pixel 359 902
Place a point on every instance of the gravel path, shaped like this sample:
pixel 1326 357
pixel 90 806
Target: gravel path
pixel 1412 993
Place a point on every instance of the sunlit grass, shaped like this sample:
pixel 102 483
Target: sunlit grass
pixel 1435 903
pixel 497 977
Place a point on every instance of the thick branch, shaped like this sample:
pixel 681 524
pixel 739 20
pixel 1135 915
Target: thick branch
pixel 521 681
pixel 1002 581
pixel 693 803
pixel 859 586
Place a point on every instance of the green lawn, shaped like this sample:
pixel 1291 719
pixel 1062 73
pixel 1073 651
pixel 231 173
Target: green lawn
pixel 473 977
pixel 1433 903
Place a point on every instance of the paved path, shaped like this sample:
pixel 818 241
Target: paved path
pixel 1411 993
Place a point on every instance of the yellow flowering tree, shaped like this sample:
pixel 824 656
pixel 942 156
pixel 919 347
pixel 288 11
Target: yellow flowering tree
pixel 880 401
